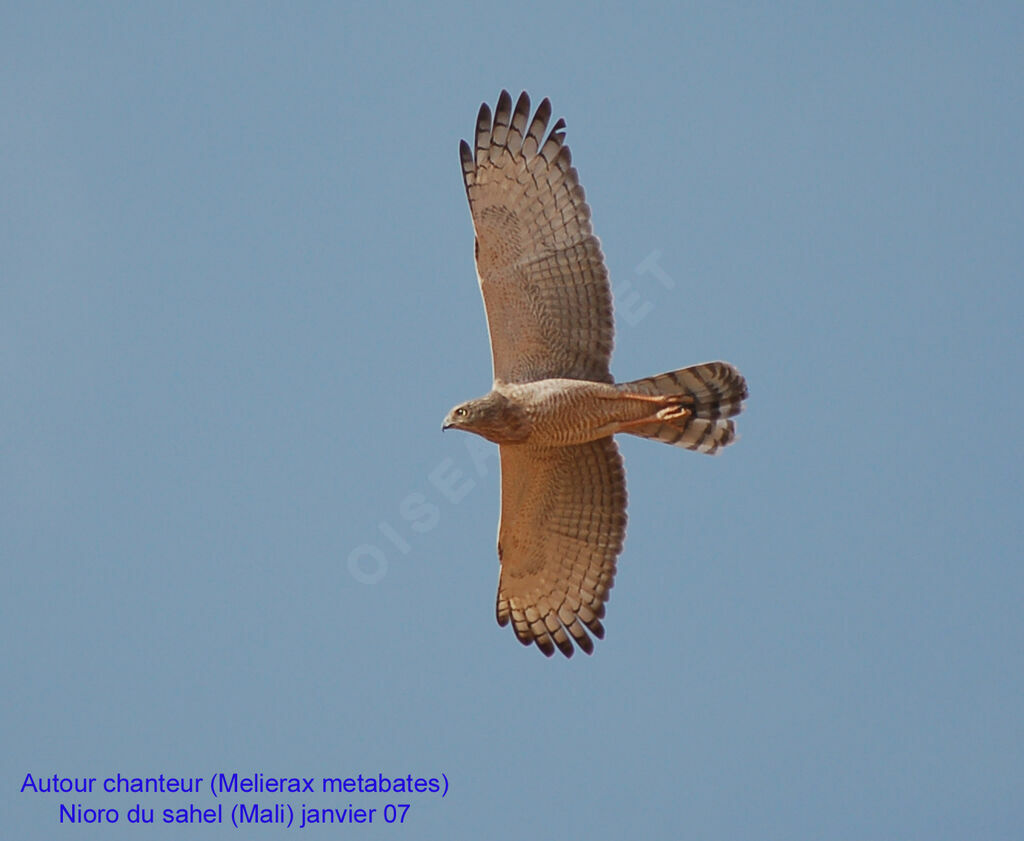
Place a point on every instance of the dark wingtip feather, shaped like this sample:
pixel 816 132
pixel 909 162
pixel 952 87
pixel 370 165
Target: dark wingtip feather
pixel 567 648
pixel 585 642
pixel 483 123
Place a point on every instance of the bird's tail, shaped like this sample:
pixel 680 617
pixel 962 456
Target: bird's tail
pixel 709 395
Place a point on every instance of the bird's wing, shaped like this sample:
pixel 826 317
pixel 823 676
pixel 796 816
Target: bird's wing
pixel 563 519
pixel 541 270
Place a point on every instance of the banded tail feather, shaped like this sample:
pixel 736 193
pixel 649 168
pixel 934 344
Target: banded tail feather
pixel 713 392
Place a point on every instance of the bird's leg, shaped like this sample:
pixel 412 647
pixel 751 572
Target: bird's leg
pixel 673 408
pixel 661 399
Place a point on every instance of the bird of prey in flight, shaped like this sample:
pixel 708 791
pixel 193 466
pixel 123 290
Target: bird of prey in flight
pixel 554 406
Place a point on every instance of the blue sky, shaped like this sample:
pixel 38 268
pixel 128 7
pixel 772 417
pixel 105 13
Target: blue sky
pixel 237 298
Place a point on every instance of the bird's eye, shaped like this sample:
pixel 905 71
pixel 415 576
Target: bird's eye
pixel 460 412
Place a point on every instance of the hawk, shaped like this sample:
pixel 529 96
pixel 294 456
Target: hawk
pixel 554 405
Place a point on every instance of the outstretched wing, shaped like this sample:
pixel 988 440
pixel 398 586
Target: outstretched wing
pixel 563 519
pixel 542 274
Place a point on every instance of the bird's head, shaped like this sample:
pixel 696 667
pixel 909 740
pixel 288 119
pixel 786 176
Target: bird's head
pixel 492 417
pixel 461 417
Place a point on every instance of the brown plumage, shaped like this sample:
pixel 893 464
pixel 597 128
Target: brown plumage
pixel 554 406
